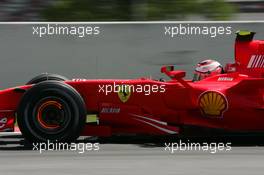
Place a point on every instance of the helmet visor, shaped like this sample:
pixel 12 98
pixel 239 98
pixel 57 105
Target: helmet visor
pixel 200 76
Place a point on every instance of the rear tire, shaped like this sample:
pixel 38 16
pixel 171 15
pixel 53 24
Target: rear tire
pixel 51 111
pixel 45 77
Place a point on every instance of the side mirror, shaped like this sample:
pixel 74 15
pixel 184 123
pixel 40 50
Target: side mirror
pixel 165 69
pixel 175 75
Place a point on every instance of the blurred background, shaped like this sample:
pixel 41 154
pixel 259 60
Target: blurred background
pixel 124 51
pixel 120 51
pixel 128 10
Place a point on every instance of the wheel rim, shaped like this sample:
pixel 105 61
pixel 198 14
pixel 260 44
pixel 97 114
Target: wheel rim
pixel 52 115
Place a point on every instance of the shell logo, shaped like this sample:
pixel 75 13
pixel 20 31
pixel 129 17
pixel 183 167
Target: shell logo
pixel 213 104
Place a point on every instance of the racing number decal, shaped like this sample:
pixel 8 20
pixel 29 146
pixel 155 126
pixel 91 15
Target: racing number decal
pixel 3 122
pixel 124 93
pixel 213 104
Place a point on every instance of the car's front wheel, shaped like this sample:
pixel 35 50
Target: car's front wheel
pixel 51 111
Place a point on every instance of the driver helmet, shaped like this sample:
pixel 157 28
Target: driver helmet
pixel 207 68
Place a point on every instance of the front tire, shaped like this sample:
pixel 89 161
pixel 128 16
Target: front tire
pixel 51 111
pixel 46 77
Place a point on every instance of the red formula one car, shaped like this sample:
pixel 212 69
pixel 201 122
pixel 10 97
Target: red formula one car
pixel 51 107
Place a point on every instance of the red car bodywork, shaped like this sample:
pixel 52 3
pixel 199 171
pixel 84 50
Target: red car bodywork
pixel 233 101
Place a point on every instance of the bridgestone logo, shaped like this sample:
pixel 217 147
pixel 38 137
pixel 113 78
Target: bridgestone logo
pixel 256 61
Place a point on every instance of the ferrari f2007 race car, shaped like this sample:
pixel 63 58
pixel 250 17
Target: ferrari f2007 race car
pixel 50 107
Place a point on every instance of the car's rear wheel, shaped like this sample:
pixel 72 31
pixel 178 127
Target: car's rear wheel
pixel 51 111
pixel 45 77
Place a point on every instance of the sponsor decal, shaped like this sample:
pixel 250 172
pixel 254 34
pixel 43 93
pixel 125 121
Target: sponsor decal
pixel 256 61
pixel 124 93
pixel 110 110
pixel 212 104
pixel 3 122
pixel 225 79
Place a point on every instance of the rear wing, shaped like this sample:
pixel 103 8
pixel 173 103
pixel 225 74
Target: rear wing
pixel 249 54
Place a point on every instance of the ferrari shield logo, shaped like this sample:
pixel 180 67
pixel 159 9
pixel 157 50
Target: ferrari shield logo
pixel 124 93
pixel 213 104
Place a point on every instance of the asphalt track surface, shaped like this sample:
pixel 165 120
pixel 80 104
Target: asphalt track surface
pixel 127 156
